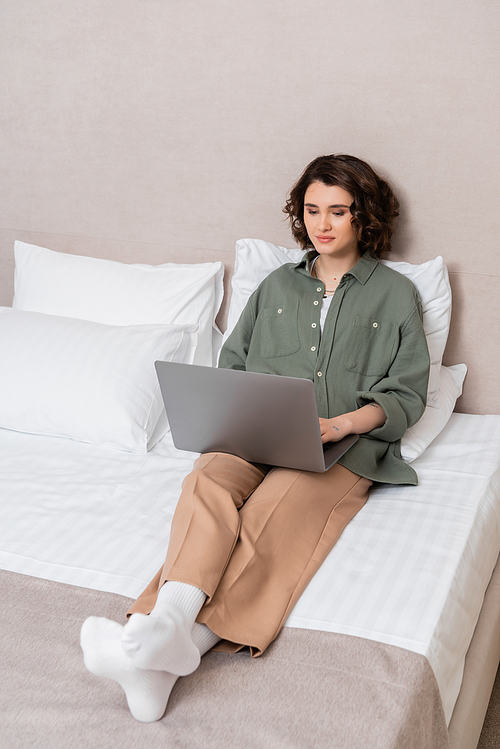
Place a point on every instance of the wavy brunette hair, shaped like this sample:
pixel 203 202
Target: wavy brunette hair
pixel 374 207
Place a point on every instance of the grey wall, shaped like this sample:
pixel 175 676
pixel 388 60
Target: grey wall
pixel 160 130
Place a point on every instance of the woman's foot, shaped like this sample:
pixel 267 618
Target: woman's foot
pixel 161 642
pixel 147 691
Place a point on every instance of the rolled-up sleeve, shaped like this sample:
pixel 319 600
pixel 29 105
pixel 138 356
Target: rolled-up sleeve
pixel 403 392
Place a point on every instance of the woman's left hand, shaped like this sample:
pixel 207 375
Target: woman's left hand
pixel 361 421
pixel 333 430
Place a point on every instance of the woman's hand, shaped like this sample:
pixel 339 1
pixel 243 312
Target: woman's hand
pixel 333 430
pixel 361 421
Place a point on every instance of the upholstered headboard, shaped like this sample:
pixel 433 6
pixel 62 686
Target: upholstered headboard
pixel 160 131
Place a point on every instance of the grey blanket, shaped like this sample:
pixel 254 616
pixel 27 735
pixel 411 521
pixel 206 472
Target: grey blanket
pixel 310 689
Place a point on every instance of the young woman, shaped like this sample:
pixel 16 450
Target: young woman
pixel 245 538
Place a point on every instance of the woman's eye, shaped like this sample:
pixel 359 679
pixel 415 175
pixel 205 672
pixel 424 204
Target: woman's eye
pixel 339 213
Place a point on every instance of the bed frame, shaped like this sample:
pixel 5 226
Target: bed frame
pixel 481 666
pixel 466 723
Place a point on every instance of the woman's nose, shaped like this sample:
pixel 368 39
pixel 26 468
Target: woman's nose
pixel 324 222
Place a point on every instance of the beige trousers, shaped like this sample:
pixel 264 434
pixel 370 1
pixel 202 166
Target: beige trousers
pixel 252 540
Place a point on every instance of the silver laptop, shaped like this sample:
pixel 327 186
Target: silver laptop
pixel 261 418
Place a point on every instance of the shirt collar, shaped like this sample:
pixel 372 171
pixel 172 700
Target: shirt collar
pixel 364 268
pixel 361 271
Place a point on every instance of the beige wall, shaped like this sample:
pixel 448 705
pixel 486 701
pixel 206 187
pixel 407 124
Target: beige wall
pixel 158 130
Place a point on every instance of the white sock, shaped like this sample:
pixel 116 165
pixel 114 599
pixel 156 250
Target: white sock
pixel 147 691
pixel 163 640
pixel 204 638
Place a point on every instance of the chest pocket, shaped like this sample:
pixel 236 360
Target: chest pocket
pixel 372 346
pixel 278 330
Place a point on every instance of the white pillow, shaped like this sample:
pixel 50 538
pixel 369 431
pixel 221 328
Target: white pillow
pixel 90 382
pixel 434 420
pixel 255 259
pixel 115 293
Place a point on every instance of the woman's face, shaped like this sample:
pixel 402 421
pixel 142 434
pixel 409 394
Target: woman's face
pixel 327 218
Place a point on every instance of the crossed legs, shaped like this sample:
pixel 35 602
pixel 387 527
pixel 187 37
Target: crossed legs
pixel 241 552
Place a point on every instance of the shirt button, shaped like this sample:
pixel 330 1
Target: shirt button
pixel 280 311
pixel 319 288
pixel 316 303
pixel 320 374
pixel 375 324
pixel 313 348
pixel 314 325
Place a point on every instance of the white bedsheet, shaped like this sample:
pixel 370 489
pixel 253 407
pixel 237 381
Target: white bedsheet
pixel 410 570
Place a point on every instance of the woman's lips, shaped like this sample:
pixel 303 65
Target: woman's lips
pixel 324 239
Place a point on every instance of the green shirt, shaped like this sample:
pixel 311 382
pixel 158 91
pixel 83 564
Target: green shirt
pixel 373 348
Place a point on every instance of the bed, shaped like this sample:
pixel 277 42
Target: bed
pixel 394 643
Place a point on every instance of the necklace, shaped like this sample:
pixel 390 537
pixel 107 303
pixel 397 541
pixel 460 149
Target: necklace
pixel 328 292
